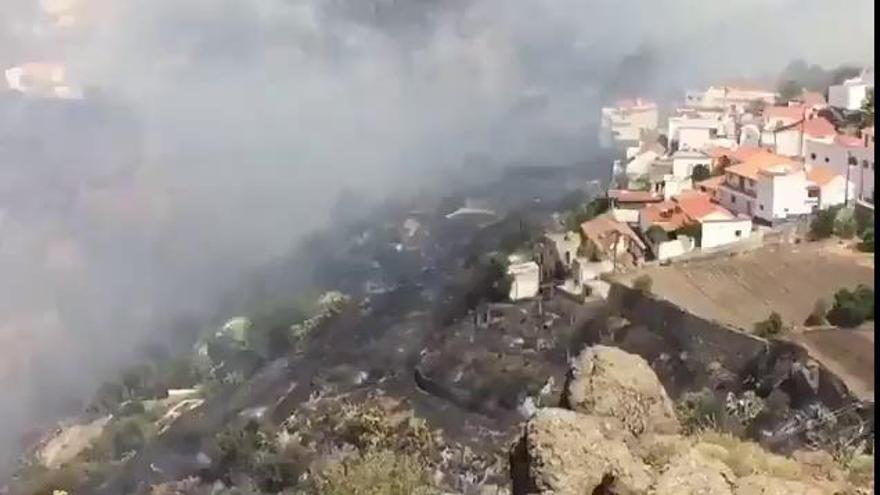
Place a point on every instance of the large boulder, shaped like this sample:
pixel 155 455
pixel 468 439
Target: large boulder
pixel 563 452
pixel 691 473
pixel 606 381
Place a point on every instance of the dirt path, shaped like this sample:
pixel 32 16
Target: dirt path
pixel 847 353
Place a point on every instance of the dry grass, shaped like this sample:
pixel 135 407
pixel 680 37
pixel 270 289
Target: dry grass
pixel 747 458
pixel 380 472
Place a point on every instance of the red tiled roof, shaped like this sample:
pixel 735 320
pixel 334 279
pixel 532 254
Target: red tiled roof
pixel 711 183
pixel 850 141
pixel 627 196
pixel 743 153
pixel 793 113
pixel 757 162
pixel 719 151
pixel 819 127
pixel 684 209
pixel 598 228
pixel 698 205
pixel 821 175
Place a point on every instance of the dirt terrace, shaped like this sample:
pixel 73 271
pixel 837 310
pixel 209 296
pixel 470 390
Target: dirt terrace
pixel 743 289
pixel 847 353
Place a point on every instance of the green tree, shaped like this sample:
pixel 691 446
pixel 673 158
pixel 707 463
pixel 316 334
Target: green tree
pixel 822 225
pixel 770 327
pixel 867 244
pixel 868 109
pixel 700 172
pixel 851 308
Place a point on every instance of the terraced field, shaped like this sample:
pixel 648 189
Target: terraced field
pixel 743 289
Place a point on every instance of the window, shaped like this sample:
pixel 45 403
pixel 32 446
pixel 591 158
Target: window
pixel 761 207
pixel 812 156
pixel 865 164
pixel 826 159
pixel 751 183
pixel 732 198
pixel 813 192
pixel 738 233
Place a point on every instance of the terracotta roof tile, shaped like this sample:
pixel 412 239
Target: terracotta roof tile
pixel 761 160
pixel 819 127
pixel 597 230
pixel 849 141
pixel 627 196
pixel 821 175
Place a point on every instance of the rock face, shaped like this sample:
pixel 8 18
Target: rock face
pixel 570 453
pixel 606 381
pixel 690 473
pixel 616 441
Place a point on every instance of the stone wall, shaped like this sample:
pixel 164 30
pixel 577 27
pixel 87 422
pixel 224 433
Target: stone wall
pixel 703 340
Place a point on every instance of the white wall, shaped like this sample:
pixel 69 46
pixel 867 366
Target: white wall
pixel 835 157
pixel 677 247
pixel 640 164
pixel 720 232
pixel 834 192
pixel 785 143
pixel 673 186
pixel 780 196
pixel 525 280
pixel 683 167
pixel 847 95
pixel 690 138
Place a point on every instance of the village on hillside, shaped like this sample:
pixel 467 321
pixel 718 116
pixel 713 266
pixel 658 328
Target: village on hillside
pixel 730 169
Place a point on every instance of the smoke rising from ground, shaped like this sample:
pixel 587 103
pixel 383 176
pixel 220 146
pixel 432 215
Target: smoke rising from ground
pixel 228 127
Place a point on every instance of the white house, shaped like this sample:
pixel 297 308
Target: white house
pixel 677 217
pixel 684 161
pixel 851 93
pixel 525 280
pixel 782 129
pixel 737 96
pixel 625 122
pixel 693 132
pixel 641 163
pixel 750 135
pixel 847 156
pixel 767 186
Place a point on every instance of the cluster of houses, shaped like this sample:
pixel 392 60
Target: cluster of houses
pixel 731 163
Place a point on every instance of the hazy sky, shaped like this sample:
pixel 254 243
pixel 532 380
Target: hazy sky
pixel 245 118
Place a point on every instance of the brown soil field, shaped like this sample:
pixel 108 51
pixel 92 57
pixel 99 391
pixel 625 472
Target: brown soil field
pixel 743 289
pixel 847 353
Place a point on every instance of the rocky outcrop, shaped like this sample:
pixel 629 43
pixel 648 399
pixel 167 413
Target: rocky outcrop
pixel 606 381
pixel 567 452
pixel 616 441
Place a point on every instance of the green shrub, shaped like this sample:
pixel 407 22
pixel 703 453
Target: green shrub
pixel 867 244
pixel 643 283
pixel 698 411
pixel 845 224
pixel 700 172
pixel 770 327
pixel 822 225
pixel 381 472
pixel 851 308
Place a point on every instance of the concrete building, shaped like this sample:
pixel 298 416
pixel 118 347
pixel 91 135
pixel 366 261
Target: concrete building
pixel 738 97
pixel 852 93
pixel 525 280
pixel 848 156
pixel 624 122
pixel 692 132
pixel 684 161
pixel 767 186
pixel 695 215
pixel 556 252
pixel 608 239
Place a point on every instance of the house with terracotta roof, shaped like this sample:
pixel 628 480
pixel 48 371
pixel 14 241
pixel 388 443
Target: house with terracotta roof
pixel 695 215
pixel 623 123
pixel 848 156
pixel 608 239
pixel 772 187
